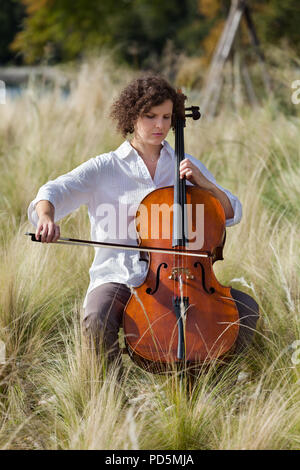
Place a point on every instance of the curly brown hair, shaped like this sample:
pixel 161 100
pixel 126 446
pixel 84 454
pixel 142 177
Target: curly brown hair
pixel 140 96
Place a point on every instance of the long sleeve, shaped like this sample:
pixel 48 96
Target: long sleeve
pixel 69 191
pixel 235 202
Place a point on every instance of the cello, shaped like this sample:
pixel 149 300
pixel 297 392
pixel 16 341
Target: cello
pixel 180 315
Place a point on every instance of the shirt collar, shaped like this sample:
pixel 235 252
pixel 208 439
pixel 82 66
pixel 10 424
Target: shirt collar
pixel 126 149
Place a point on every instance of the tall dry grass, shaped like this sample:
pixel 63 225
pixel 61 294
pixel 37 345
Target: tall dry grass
pixel 54 393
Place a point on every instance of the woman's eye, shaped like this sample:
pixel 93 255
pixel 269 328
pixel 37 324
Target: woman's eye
pixel 152 117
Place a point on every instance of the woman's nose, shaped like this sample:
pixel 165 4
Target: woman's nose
pixel 159 124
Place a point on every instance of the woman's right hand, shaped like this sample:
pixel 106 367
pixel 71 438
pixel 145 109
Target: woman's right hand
pixel 46 227
pixel 49 231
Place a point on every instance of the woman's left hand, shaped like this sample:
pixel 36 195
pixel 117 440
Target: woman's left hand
pixel 193 174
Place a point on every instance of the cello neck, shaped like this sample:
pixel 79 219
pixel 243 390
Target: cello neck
pixel 179 215
pixel 180 220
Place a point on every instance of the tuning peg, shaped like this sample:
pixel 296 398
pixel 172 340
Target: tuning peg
pixel 195 112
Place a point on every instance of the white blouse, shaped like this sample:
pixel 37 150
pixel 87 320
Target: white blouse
pixel 112 185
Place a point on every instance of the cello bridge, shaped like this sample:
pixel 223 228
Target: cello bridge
pixel 176 271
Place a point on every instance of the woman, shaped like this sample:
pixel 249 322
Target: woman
pixel 112 186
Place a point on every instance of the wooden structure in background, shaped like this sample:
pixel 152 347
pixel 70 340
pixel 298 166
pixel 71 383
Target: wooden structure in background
pixel 225 47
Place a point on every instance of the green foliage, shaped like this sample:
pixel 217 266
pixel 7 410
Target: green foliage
pixel 61 30
pixel 278 20
pixel 138 31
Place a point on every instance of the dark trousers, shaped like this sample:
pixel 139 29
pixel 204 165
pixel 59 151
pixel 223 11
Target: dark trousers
pixel 104 311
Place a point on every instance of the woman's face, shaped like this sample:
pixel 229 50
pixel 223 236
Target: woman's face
pixel 153 127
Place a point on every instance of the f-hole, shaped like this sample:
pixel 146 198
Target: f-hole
pixel 211 290
pixel 149 290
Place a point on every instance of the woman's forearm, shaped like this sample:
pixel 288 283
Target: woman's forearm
pixel 224 200
pixel 45 208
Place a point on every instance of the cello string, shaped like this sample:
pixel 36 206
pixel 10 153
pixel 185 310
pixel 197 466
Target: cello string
pixel 176 264
pixel 181 150
pixel 181 284
pixel 185 236
pixel 176 259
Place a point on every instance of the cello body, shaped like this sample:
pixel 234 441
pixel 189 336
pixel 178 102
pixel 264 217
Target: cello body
pixel 208 312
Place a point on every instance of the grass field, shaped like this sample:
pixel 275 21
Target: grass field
pixel 54 394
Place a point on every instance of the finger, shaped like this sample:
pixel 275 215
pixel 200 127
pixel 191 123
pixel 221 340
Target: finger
pixel 44 234
pixel 186 172
pixel 187 166
pixel 38 231
pixel 51 233
pixel 57 234
pixel 183 164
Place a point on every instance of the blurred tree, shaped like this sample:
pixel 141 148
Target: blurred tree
pixel 215 12
pixel 56 30
pixel 138 31
pixel 274 20
pixel 11 15
pixel 149 25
